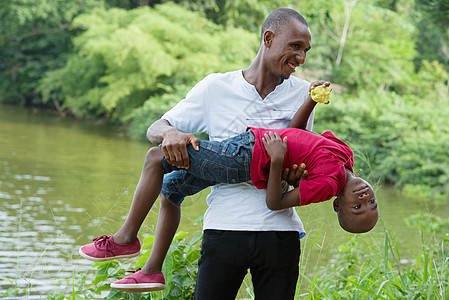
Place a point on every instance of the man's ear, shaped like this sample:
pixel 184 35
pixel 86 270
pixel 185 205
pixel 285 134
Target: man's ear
pixel 337 204
pixel 268 38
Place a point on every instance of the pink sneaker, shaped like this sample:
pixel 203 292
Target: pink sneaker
pixel 104 248
pixel 140 282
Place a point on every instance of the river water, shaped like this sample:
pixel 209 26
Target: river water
pixel 63 182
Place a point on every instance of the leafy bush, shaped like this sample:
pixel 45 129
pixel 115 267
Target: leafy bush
pixel 124 59
pixel 360 44
pixel 429 223
pixel 180 269
pixel 374 271
pixel 400 139
pixel 359 270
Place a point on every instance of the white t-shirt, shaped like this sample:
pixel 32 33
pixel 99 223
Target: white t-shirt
pixel 223 105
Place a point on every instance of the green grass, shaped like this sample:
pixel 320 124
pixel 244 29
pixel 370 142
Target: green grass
pixel 360 269
pixel 364 270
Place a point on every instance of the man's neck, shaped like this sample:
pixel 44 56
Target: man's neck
pixel 258 75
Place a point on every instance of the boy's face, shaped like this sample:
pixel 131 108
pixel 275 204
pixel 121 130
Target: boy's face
pixel 357 206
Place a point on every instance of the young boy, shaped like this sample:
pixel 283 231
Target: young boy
pixel 261 155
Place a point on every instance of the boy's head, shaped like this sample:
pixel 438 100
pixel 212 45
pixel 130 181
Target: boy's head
pixel 356 206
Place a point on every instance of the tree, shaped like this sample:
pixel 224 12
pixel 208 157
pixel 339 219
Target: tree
pixel 361 44
pixel 126 58
pixel 432 41
pixel 34 38
pixel 246 14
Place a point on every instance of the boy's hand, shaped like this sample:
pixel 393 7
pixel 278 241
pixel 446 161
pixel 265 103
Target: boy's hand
pixel 275 146
pixel 319 91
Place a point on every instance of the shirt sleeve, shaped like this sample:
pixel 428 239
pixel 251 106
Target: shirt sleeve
pixel 191 114
pixel 318 189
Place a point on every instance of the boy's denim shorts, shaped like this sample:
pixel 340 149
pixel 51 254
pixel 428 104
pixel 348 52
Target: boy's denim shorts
pixel 228 161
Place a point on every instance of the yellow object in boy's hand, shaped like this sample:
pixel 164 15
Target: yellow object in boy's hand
pixel 321 94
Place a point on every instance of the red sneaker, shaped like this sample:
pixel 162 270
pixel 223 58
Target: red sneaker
pixel 104 248
pixel 140 282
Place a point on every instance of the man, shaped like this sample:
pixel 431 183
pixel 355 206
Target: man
pixel 240 232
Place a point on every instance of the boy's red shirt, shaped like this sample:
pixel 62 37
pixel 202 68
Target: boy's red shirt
pixel 325 157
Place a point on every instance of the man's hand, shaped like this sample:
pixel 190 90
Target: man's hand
pixel 295 174
pixel 174 147
pixel 319 91
pixel 318 83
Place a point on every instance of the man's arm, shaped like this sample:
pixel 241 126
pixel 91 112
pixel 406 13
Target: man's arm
pixel 301 117
pixel 174 142
pixel 275 199
pixel 297 173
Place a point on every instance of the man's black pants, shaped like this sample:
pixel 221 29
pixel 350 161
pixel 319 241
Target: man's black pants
pixel 226 256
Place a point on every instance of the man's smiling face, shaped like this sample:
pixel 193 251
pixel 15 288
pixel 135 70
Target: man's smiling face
pixel 288 48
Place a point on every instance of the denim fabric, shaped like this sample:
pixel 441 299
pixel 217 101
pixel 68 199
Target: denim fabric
pixel 228 161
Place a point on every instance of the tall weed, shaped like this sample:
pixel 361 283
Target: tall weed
pixel 180 269
pixel 361 270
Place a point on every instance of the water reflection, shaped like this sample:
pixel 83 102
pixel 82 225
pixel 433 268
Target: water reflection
pixel 56 176
pixel 35 236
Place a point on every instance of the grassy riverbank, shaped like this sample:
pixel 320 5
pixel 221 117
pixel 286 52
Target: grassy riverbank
pixel 359 269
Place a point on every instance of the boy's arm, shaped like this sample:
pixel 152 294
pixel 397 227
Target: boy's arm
pixel 301 117
pixel 276 149
pixel 276 200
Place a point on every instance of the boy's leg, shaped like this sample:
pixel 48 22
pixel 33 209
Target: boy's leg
pixel 176 186
pixel 167 224
pixel 236 153
pixel 146 193
pixel 228 161
pixel 125 243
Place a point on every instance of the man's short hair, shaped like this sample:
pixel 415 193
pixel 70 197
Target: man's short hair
pixel 280 17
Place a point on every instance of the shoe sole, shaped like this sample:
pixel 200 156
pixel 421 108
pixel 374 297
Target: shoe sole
pixel 138 287
pixel 107 258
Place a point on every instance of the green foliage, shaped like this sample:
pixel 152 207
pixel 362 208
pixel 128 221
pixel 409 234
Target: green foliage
pixel 180 269
pixel 131 66
pixel 362 46
pixel 432 39
pixel 375 271
pixel 34 39
pixel 429 223
pixel 246 14
pixel 11 291
pixel 180 266
pixel 358 270
pixel 397 139
pixel 127 58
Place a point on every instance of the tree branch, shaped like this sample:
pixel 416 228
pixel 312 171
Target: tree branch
pixel 38 31
pixel 348 9
pixel 58 107
pixel 328 30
